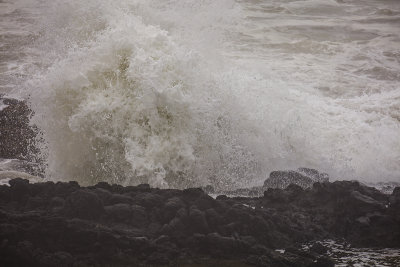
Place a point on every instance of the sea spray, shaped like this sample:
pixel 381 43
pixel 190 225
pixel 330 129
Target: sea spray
pixel 131 106
pixel 180 94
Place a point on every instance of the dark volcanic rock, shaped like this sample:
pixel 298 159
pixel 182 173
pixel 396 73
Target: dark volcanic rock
pixel 318 248
pixel 198 221
pixel 395 198
pixel 63 224
pixel 282 179
pixel 303 177
pixel 20 188
pixel 83 204
pixel 315 175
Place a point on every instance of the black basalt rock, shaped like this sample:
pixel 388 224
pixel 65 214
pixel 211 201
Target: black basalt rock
pixel 197 221
pixel 395 198
pixel 60 224
pixel 171 206
pixel 318 248
pixel 303 177
pixel 83 204
pixel 118 212
pixel 148 200
pixel 20 189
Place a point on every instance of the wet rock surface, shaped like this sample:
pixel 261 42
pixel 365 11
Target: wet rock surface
pixel 304 177
pixel 63 224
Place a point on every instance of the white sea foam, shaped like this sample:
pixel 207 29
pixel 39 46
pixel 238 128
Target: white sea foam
pixel 2 105
pixel 344 255
pixel 184 93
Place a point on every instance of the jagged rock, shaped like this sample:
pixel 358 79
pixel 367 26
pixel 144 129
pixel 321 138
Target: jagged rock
pixel 198 221
pixel 63 189
pixel 148 200
pixel 276 195
pixel 225 245
pixel 139 216
pixel 323 262
pixel 395 198
pixel 303 177
pixel 214 219
pixel 134 215
pixel 175 227
pixel 222 197
pixel 209 189
pixel 318 248
pixel 118 198
pixel 204 202
pixel 171 207
pixel 282 179
pixel 83 204
pixel 315 175
pixel 103 194
pixel 104 225
pixel 364 204
pixel 143 187
pixel 118 212
pixel 20 188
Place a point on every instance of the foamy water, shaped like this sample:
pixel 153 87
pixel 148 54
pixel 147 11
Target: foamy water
pixel 344 255
pixel 184 93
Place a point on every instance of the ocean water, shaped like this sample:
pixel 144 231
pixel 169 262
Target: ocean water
pixel 185 93
pixel 344 255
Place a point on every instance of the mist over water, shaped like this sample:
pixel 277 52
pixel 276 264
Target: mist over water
pixel 187 93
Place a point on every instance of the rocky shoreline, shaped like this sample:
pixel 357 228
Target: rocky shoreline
pixel 64 224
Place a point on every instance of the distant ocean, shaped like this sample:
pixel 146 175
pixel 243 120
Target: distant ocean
pixel 180 93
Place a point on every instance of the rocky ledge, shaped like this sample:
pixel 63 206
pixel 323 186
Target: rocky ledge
pixel 63 224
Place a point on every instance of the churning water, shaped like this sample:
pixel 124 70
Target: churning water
pixel 183 93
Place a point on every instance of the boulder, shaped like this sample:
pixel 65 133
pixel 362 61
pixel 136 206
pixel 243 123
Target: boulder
pixel 364 204
pixel 318 248
pixel 148 200
pixel 118 198
pixel 171 206
pixel 83 204
pixel 304 177
pixel 197 221
pixel 282 179
pixel 223 245
pixel 118 212
pixel 315 175
pixel 20 188
pixel 139 217
pixel 395 197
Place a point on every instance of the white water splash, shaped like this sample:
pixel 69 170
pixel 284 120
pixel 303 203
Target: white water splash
pixel 185 93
